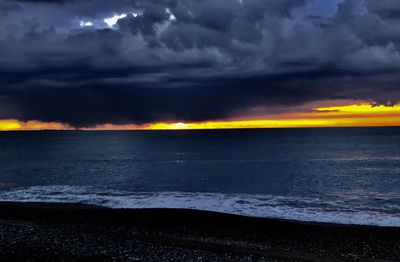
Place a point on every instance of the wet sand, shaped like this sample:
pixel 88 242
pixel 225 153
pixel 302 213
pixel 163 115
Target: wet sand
pixel 70 232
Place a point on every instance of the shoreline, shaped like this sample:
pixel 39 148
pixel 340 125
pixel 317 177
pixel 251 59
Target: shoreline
pixel 48 231
pixel 121 212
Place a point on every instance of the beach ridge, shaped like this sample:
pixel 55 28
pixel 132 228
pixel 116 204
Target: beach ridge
pixel 45 231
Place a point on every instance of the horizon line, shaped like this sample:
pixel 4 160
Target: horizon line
pixel 196 129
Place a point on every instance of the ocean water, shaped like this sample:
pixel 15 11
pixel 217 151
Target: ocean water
pixel 339 175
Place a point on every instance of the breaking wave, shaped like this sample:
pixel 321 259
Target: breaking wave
pixel 258 205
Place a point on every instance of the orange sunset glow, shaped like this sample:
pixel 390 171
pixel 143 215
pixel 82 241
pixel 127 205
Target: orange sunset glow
pixel 353 115
pixel 15 125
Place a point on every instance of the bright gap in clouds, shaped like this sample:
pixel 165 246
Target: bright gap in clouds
pixel 83 24
pixel 113 20
pixel 171 15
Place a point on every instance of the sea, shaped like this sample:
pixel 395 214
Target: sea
pixel 333 175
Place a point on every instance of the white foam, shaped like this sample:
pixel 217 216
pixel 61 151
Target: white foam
pixel 294 208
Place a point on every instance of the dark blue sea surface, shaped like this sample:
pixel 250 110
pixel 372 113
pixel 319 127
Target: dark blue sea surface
pixel 343 175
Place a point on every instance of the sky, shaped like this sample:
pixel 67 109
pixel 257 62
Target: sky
pixel 189 64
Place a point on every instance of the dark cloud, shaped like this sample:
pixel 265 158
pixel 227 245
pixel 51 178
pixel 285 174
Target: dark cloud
pixel 192 59
pixel 45 1
pixel 384 8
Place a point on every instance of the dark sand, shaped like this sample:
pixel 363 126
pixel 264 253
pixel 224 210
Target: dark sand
pixel 66 232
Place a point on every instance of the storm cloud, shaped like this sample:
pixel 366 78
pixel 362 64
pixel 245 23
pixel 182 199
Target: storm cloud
pixel 192 60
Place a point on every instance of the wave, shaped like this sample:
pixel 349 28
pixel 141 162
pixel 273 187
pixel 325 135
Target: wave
pixel 283 207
